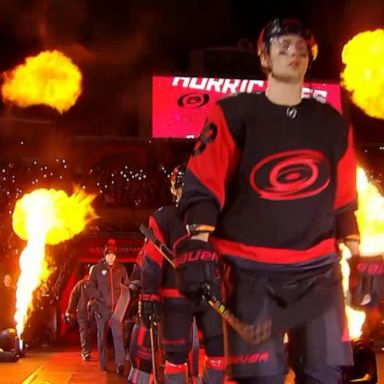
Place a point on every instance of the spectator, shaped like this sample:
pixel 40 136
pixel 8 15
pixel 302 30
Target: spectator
pixel 7 303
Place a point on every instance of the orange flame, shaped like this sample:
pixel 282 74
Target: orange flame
pixel 355 319
pixel 363 75
pixel 49 78
pixel 370 217
pixel 44 217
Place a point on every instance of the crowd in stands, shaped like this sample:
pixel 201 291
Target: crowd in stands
pixel 118 188
pixel 115 187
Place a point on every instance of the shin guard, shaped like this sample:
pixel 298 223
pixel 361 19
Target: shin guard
pixel 136 376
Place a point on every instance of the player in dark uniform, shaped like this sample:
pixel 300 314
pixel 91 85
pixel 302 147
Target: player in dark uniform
pixel 160 296
pixel 139 341
pixel 140 353
pixel 271 183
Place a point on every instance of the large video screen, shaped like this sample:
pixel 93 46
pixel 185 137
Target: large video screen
pixel 180 104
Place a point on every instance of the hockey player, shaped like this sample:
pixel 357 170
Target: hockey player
pixel 139 340
pixel 140 353
pixel 271 186
pixel 160 297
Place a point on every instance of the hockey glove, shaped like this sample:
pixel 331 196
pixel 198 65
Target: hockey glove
pixel 149 309
pixel 366 280
pixel 196 265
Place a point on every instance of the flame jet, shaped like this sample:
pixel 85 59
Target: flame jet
pixel 363 75
pixel 50 78
pixel 44 216
pixel 370 216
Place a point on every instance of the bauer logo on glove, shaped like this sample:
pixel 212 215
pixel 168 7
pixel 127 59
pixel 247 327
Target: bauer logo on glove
pixel 200 254
pixel 196 263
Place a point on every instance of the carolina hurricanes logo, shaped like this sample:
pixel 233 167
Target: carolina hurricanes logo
pixel 290 175
pixel 193 100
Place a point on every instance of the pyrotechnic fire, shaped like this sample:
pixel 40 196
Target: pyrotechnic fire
pixel 363 75
pixel 355 318
pixel 44 217
pixel 370 216
pixel 49 78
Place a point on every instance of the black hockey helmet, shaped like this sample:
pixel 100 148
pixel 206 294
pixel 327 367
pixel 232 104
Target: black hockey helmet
pixel 279 27
pixel 177 178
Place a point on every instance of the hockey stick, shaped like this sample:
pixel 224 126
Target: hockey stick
pixel 153 352
pixel 164 250
pixel 252 334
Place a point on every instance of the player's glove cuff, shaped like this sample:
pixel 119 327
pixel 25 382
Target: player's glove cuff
pixel 366 280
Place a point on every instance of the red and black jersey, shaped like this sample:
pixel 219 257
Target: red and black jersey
pixel 277 183
pixel 158 276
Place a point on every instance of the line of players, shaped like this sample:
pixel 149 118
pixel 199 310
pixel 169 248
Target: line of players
pixel 155 306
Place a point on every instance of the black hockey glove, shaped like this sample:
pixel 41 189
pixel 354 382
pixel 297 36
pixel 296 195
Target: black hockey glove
pixel 196 265
pixel 149 309
pixel 366 281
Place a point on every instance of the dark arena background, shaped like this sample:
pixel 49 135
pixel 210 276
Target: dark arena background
pixel 149 72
